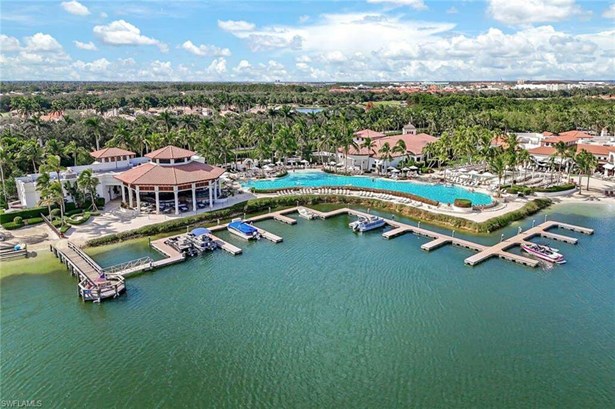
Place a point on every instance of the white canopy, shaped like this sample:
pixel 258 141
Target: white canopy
pixel 305 161
pixel 405 169
pixel 395 171
pixel 413 168
pixel 391 168
pixel 333 163
pixel 608 166
pixel 487 174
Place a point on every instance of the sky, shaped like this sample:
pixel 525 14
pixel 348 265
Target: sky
pixel 305 40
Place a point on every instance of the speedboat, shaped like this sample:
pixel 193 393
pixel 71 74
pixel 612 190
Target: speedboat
pixel 243 230
pixel 544 252
pixel 366 223
pixel 306 214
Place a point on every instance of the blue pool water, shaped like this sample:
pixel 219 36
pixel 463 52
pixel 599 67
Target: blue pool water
pixel 441 193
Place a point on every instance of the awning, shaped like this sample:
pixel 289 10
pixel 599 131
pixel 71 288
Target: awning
pixel 199 231
pixel 608 166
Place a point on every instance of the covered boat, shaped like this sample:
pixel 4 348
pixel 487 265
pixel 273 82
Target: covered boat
pixel 243 230
pixel 201 240
pixel 366 223
pixel 544 252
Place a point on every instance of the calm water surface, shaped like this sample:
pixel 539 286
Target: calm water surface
pixel 326 319
pixel 441 193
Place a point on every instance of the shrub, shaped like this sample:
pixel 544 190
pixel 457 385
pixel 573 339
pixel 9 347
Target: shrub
pixel 516 189
pixel 558 188
pixel 18 220
pixel 78 219
pixel 463 203
pixel 33 220
pixel 55 213
pixel 12 225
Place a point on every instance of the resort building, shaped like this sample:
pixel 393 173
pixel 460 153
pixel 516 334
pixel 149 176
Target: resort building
pixel 172 181
pixel 108 163
pixel 367 159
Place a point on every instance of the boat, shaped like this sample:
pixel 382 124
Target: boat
pixel 544 252
pixel 366 223
pixel 201 240
pixel 244 230
pixel 306 214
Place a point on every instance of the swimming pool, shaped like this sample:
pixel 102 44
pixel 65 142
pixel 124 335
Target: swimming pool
pixel 441 193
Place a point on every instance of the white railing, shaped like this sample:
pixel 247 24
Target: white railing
pixel 128 265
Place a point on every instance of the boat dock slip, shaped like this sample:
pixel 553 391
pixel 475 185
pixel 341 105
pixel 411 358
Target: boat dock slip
pixel 499 250
pixel 224 245
pixel 173 256
pixel 269 236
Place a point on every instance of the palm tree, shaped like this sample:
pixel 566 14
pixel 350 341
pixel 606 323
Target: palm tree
pixel 31 152
pixel 42 185
pixel 497 165
pixel 400 147
pixel 560 152
pixel 95 125
pixel 586 162
pixel 87 183
pixel 4 159
pixel 385 153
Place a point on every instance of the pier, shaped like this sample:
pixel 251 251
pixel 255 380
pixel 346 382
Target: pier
pixel 96 283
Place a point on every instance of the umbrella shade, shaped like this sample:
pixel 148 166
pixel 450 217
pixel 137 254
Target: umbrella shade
pixel 391 168
pixel 413 168
pixel 487 174
pixel 333 163
pixel 305 161
pixel 395 171
pixel 405 169
pixel 199 231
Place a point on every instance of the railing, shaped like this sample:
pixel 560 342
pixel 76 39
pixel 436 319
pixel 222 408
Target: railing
pixel 127 265
pixel 52 227
pixel 86 258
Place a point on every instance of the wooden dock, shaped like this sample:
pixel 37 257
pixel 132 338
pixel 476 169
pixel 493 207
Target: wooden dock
pixel 225 245
pixel 172 256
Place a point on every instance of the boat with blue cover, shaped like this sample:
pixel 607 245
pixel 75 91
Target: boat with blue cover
pixel 244 230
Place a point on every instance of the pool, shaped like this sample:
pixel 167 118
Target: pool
pixel 441 193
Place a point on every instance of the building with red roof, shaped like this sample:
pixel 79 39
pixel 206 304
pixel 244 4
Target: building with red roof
pixel 171 179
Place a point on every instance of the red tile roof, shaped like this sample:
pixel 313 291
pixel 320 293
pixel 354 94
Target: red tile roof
pixel 368 133
pixel 414 145
pixel 593 149
pixel 568 136
pixel 542 150
pixel 170 152
pixel 111 153
pixel 153 174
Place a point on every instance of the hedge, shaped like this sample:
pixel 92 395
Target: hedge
pixel 84 218
pixel 36 211
pixel 263 204
pixel 559 188
pixel 462 203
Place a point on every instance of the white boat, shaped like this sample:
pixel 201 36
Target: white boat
pixel 243 230
pixel 306 214
pixel 366 223
pixel 544 253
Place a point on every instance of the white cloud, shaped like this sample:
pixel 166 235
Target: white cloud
pixel 217 66
pixel 121 32
pixel 89 46
pixel 42 42
pixel 415 4
pixel 205 50
pixel 99 66
pixel 452 10
pixel 522 12
pixel 304 19
pixel 76 8
pixel 610 12
pixel 335 57
pixel 8 43
pixel 235 25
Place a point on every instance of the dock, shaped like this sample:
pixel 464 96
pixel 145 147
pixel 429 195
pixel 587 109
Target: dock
pixel 499 250
pixel 225 245
pixel 97 283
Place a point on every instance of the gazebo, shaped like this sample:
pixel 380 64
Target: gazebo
pixel 171 176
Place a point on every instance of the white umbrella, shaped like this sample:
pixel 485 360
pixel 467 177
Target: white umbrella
pixel 395 171
pixel 487 174
pixel 305 161
pixel 405 169
pixel 413 168
pixel 391 168
pixel 333 163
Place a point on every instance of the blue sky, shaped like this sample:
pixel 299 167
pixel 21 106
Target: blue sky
pixel 369 40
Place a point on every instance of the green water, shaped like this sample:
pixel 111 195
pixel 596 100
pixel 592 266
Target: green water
pixel 326 319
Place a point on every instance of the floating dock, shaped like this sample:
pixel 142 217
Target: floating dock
pixel 225 245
